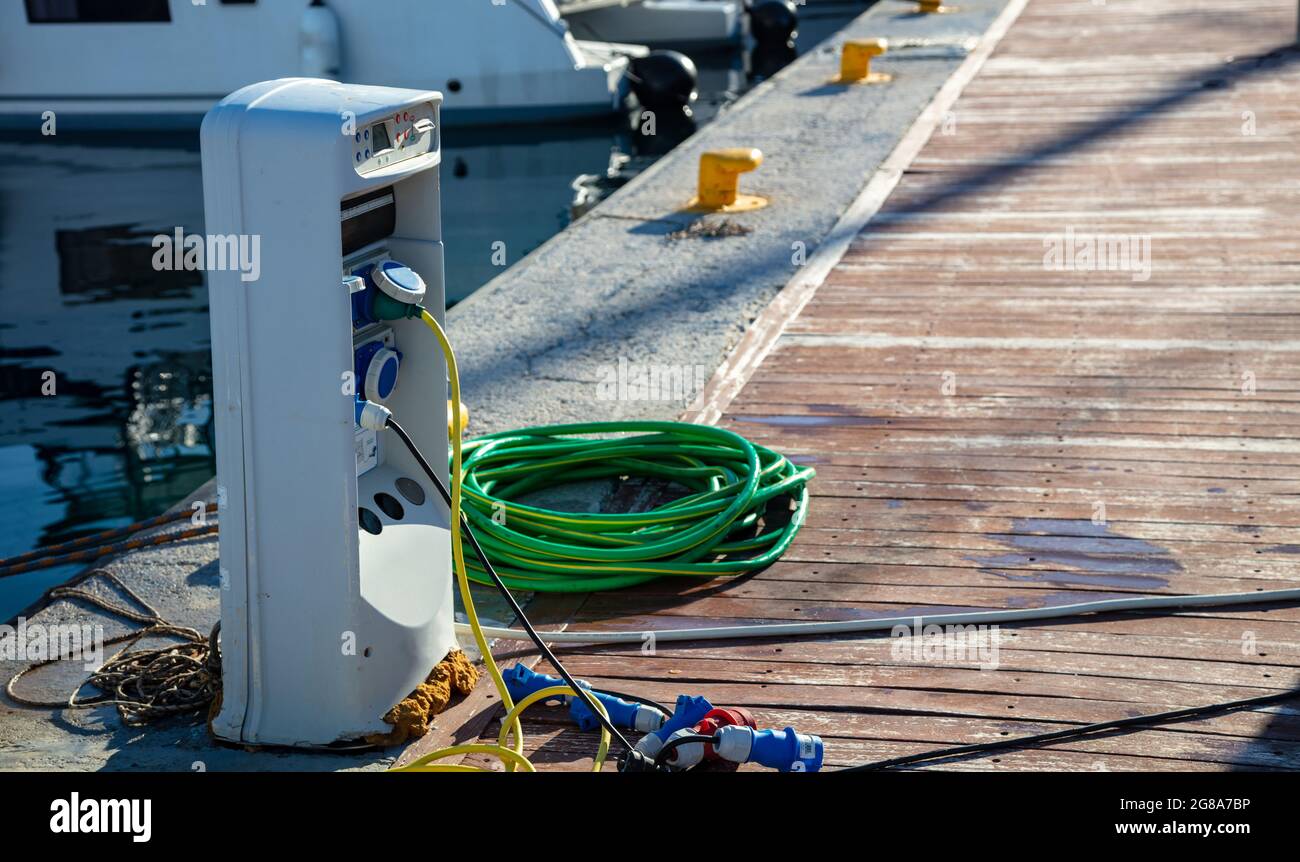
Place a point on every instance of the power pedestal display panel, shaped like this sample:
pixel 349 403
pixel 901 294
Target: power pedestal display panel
pixel 336 580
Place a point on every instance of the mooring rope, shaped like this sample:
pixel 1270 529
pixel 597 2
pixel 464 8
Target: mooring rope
pixel 144 685
pixel 10 567
pixel 98 539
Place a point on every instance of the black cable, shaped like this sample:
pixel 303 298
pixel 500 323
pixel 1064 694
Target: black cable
pixel 1075 732
pixel 545 650
pixel 635 698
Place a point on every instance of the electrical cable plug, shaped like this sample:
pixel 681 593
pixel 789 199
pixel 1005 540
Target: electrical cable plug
pixel 688 755
pixel 521 682
pixel 785 750
pixel 635 761
pixel 370 415
pixel 393 291
pixel 688 711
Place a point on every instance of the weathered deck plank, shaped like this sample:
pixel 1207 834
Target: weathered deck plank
pixel 970 412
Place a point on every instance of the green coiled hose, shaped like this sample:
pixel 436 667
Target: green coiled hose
pixel 717 529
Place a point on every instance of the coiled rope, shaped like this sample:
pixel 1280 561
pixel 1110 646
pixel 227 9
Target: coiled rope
pixel 144 685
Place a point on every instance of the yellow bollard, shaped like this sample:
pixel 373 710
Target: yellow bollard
pixel 720 172
pixel 932 7
pixel 855 62
pixel 464 418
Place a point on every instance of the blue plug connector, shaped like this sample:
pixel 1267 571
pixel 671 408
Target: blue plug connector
pixel 786 750
pixel 687 713
pixel 521 682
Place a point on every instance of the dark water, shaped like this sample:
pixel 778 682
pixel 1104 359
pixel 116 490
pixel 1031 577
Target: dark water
pixel 127 431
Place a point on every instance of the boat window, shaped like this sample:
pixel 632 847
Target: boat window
pixel 97 11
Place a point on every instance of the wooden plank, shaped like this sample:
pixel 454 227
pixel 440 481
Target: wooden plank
pixel 968 405
pixel 763 333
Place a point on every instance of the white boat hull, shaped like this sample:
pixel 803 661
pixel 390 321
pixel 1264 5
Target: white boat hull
pixel 513 62
pixel 702 23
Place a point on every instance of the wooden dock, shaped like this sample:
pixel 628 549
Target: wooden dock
pixel 999 421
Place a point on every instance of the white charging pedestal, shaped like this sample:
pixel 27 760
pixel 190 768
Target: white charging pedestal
pixel 336 581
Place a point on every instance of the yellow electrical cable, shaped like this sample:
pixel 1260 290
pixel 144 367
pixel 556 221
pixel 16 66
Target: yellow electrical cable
pixel 510 756
pixel 548 694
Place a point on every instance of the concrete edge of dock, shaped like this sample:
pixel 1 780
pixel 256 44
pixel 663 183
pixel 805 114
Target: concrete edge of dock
pixel 560 335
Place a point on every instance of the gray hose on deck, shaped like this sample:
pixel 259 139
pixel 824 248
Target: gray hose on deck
pixel 769 630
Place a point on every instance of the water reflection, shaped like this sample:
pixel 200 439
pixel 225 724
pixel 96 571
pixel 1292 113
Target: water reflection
pixel 499 189
pixel 127 429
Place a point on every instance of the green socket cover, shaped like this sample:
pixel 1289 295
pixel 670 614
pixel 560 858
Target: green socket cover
pixel 384 307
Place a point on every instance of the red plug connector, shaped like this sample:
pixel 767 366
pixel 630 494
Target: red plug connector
pixel 692 753
pixel 720 717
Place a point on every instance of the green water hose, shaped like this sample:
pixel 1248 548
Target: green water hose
pixel 724 525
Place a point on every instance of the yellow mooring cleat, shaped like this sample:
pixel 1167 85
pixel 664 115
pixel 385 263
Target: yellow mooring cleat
pixel 720 172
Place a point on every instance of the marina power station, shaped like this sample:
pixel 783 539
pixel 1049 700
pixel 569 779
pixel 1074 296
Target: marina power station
pixel 336 585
